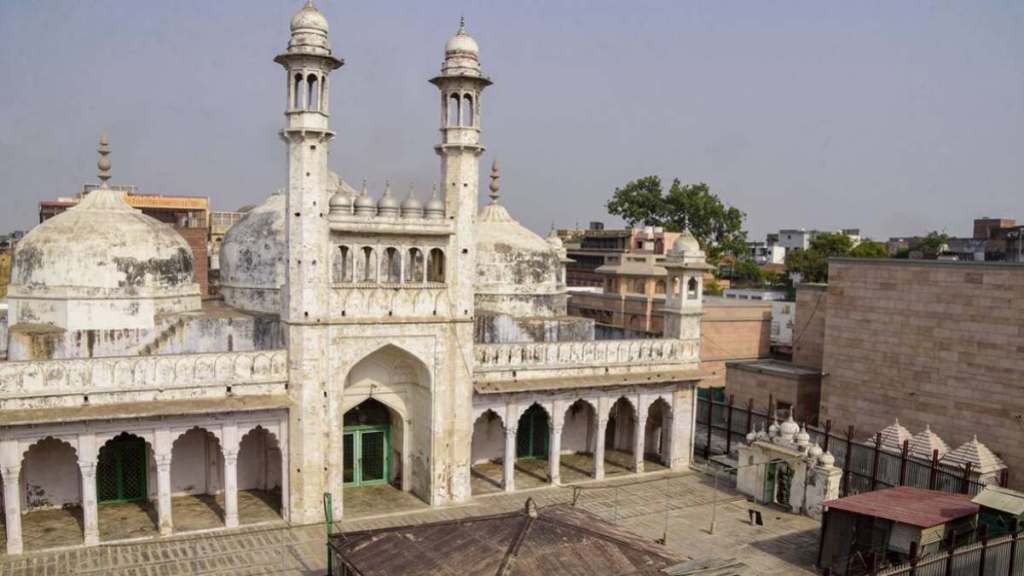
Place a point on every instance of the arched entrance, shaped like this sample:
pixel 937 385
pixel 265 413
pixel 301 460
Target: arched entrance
pixel 125 486
pixel 657 436
pixel 197 481
pixel 533 434
pixel 385 441
pixel 618 438
pixel 260 464
pixel 367 444
pixel 487 453
pixel 578 442
pixel 51 496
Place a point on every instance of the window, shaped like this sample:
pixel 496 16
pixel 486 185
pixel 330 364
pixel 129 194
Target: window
pixel 369 264
pixel 691 289
pixel 414 268
pixel 343 265
pixel 297 93
pixel 467 110
pixel 313 97
pixel 659 287
pixel 435 266
pixel 453 110
pixel 392 266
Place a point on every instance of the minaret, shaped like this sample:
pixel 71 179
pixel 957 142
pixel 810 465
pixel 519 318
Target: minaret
pixel 304 299
pixel 461 82
pixel 684 295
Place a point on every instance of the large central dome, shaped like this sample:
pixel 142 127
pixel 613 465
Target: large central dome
pixel 517 272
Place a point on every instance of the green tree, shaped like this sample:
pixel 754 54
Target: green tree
pixel 747 272
pixel 931 244
pixel 717 227
pixel 812 264
pixel 869 249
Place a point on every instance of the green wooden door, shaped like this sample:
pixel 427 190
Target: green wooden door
pixel 121 470
pixel 532 434
pixel 367 455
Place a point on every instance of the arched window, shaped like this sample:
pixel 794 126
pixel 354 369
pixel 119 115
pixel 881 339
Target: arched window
pixel 435 266
pixel 453 110
pixel 467 110
pixel 414 268
pixel 297 93
pixel 343 265
pixel 313 99
pixel 691 289
pixel 369 265
pixel 659 287
pixel 677 287
pixel 392 266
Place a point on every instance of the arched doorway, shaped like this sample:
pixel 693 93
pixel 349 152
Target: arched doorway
pixel 578 442
pixel 367 444
pixel 197 481
pixel 618 438
pixel 260 464
pixel 125 488
pixel 386 432
pixel 51 496
pixel 487 453
pixel 657 436
pixel 532 434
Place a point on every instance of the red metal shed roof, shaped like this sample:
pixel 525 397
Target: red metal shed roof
pixel 906 505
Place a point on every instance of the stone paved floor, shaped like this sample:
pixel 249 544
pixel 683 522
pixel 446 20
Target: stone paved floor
pixel 785 545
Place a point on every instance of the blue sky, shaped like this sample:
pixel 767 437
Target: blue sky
pixel 895 117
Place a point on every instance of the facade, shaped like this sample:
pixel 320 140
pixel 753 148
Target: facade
pixel 933 343
pixel 596 247
pixel 358 341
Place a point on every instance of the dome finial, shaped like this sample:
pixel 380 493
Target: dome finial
pixel 495 184
pixel 462 24
pixel 104 162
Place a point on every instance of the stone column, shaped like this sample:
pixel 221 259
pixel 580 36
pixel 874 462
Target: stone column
pixel 555 454
pixel 231 488
pixel 602 423
pixel 163 492
pixel 90 518
pixel 510 459
pixel 638 444
pixel 12 508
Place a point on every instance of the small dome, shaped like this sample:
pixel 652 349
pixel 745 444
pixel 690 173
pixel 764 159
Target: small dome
pixel 751 437
pixel 815 451
pixel 789 428
pixel 686 244
pixel 827 460
pixel 309 18
pixel 254 256
pixel 435 207
pixel 364 205
pixel 461 43
pixel 802 437
pixel 388 205
pixel 773 430
pixel 341 202
pixel 411 207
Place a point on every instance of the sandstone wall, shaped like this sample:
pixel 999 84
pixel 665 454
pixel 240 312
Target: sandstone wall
pixel 937 343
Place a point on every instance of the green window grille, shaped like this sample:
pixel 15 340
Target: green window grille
pixel 121 470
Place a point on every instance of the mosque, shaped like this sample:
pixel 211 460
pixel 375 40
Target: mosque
pixel 418 346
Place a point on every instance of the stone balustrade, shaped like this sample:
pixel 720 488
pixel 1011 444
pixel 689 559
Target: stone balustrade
pixel 137 378
pixel 501 357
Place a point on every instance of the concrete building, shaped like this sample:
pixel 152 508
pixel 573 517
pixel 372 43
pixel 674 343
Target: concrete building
pixel 933 343
pixel 360 344
pixel 596 247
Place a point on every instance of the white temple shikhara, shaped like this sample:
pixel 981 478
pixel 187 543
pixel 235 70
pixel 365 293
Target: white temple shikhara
pixel 393 341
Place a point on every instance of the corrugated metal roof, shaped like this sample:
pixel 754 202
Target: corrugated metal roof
pixel 1002 499
pixel 906 505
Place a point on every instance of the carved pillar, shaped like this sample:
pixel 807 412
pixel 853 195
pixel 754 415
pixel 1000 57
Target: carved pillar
pixel 555 454
pixel 638 443
pixel 163 492
pixel 602 423
pixel 12 508
pixel 231 488
pixel 510 458
pixel 90 520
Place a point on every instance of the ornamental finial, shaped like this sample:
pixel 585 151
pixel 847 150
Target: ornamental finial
pixel 462 24
pixel 104 162
pixel 495 183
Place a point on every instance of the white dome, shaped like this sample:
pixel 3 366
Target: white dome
pixel 309 18
pixel 461 43
pixel 102 250
pixel 686 244
pixel 254 256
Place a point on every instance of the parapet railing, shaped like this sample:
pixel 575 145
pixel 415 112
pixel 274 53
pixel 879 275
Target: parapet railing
pixel 557 354
pixel 90 376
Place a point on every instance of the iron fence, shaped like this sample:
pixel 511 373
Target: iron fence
pixel 722 425
pixel 1003 556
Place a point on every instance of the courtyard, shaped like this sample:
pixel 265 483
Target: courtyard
pixel 673 506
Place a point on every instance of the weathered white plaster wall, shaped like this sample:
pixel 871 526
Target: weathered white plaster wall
pixel 197 464
pixel 488 439
pixel 50 477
